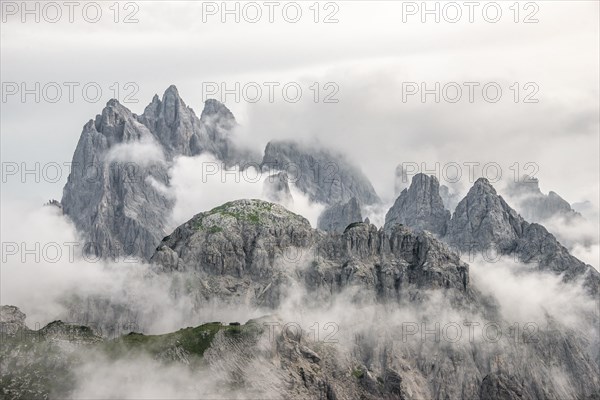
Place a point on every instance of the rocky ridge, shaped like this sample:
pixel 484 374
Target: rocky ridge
pixel 536 206
pixel 325 176
pixel 483 222
pixel 258 250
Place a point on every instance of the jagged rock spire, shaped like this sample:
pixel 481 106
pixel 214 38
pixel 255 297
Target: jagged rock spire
pixel 483 218
pixel 119 216
pixel 420 207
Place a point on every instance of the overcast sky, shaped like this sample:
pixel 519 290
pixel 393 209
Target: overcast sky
pixel 369 57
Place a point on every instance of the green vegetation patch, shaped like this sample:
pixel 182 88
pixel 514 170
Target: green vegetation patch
pixel 197 224
pixel 220 208
pixel 193 340
pixel 215 229
pixel 249 214
pixel 358 373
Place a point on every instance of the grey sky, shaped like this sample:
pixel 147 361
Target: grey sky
pixel 368 54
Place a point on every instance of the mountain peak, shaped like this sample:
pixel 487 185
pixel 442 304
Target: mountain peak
pixel 113 103
pixel 420 207
pixel 482 186
pixel 171 96
pixel 483 183
pixel 175 125
pixel 172 90
pixel 483 218
pixel 117 123
pixel 114 107
pixel 213 107
pixel 422 179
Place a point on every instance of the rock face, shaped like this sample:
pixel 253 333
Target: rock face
pixel 420 207
pixel 12 320
pixel 176 127
pixel 114 201
pixel 387 267
pixel 337 217
pixel 483 218
pixel 116 192
pixel 539 246
pixel 250 251
pixel 495 386
pixel 244 241
pixel 326 177
pixel 536 206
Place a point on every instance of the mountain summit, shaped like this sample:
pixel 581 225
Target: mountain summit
pixel 536 206
pixel 483 218
pixel 113 192
pixel 420 207
pixel 483 222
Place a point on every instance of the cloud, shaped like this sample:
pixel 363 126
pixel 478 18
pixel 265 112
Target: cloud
pixel 144 152
pixel 141 377
pixel 588 254
pixel 46 273
pixel 528 295
pixel 201 183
